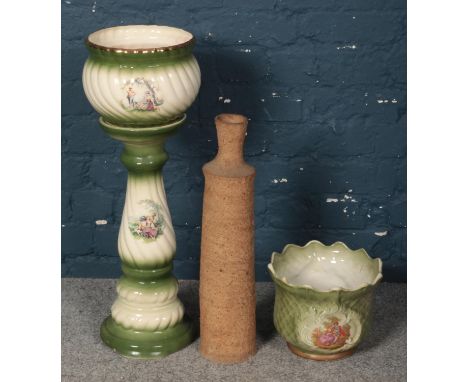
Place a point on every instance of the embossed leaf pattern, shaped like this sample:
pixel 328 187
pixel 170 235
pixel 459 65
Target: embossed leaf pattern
pixel 297 316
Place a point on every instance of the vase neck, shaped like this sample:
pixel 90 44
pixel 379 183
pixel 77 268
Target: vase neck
pixel 231 130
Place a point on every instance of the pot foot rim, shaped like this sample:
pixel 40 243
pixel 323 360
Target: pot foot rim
pixel 319 357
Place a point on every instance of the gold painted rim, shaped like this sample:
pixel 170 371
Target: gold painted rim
pixel 139 51
pixel 320 357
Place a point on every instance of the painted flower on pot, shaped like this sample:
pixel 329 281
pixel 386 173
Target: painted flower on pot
pixel 149 225
pixel 141 94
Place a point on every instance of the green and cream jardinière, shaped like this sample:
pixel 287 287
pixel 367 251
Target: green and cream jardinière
pixel 323 297
pixel 141 75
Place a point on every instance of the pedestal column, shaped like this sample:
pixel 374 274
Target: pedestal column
pixel 147 319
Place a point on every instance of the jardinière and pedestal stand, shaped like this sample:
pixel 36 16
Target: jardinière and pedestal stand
pixel 141 79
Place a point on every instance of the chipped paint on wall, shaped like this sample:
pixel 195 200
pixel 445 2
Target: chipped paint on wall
pixel 353 46
pixel 381 233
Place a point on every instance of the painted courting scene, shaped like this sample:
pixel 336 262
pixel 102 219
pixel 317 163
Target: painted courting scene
pixel 141 94
pixel 150 225
pixel 330 330
pixel 332 335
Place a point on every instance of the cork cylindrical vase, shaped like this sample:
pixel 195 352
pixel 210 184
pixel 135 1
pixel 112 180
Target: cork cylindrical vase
pixel 227 277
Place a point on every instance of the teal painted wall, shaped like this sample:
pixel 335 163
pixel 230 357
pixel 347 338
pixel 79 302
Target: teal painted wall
pixel 324 86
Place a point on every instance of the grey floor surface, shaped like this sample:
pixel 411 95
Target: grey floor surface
pixel 86 302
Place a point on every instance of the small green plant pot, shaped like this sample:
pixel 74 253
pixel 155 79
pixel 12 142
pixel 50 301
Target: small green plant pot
pixel 323 297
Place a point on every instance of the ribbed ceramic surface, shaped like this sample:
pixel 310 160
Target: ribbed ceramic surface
pixel 147 316
pixel 147 307
pixel 139 252
pixel 158 295
pixel 141 95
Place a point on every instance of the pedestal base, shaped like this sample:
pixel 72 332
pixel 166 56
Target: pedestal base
pixel 147 345
pixel 320 357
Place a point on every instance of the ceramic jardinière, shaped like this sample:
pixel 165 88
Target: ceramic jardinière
pixel 323 297
pixel 141 75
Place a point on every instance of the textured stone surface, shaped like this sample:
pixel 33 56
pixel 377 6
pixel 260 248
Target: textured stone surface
pixel 324 86
pixel 227 277
pixel 86 302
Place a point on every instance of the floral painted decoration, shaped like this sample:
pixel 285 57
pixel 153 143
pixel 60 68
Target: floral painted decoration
pixel 150 225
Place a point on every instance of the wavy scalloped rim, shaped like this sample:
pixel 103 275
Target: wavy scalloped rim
pixel 377 278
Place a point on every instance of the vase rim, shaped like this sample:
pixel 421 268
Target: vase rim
pixel 122 44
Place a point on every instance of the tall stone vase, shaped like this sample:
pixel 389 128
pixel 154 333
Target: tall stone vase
pixel 141 79
pixel 227 276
